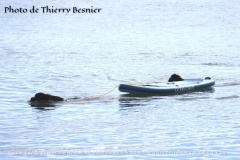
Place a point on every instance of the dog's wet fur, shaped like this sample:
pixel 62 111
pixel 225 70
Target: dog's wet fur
pixel 43 98
pixel 175 77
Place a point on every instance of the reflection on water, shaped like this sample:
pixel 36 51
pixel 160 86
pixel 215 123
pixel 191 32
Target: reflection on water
pixel 227 97
pixel 132 100
pixel 44 106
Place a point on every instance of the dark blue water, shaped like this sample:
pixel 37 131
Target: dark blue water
pixel 85 55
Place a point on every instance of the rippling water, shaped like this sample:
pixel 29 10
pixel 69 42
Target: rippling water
pixel 80 56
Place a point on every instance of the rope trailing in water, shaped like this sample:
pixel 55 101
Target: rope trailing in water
pixel 102 95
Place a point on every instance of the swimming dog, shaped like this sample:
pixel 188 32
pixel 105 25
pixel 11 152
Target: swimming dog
pixel 42 97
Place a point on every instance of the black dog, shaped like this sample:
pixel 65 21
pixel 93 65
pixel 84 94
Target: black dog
pixel 42 97
pixel 175 77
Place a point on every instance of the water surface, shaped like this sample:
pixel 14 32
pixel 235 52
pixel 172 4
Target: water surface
pixel 80 56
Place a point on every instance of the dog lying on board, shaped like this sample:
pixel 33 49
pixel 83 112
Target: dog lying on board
pixel 175 77
pixel 46 98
